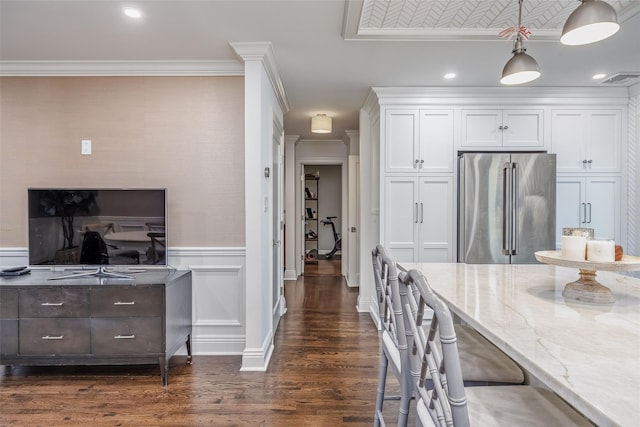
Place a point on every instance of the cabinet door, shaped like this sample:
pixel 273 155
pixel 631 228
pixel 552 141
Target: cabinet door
pixel 480 128
pixel 401 137
pixel 436 141
pixel 401 218
pixel 436 219
pixel 603 141
pixel 522 128
pixel 570 204
pixel 603 207
pixel 568 136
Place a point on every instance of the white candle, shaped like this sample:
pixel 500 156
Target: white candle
pixel 601 250
pixel 573 247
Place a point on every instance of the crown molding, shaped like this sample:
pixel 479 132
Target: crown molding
pixel 497 95
pixel 263 51
pixel 120 68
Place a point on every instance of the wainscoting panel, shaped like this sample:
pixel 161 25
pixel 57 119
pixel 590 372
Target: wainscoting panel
pixel 218 276
pixel 218 292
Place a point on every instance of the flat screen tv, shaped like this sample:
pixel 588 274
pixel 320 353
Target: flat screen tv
pixel 97 227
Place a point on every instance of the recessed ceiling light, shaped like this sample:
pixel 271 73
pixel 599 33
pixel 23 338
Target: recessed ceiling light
pixel 599 76
pixel 132 12
pixel 450 76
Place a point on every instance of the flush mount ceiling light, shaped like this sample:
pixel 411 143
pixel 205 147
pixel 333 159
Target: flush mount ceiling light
pixel 521 68
pixel 132 12
pixel 450 76
pixel 592 21
pixel 321 123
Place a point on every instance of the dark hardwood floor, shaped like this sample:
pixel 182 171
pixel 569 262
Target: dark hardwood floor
pixel 323 372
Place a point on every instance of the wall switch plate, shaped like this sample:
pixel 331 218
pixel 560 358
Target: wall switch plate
pixel 86 147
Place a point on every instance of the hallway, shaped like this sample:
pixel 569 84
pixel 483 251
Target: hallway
pixel 323 372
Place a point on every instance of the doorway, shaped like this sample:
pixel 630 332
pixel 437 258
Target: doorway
pixel 322 224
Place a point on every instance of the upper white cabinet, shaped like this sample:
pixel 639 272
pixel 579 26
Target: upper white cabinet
pixel 419 141
pixel 502 128
pixel 586 140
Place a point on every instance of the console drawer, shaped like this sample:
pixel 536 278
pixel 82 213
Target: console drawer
pixel 8 304
pixel 130 301
pixel 8 336
pixel 126 335
pixel 54 302
pixel 55 336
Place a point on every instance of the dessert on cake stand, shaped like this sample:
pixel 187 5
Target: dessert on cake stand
pixel 587 288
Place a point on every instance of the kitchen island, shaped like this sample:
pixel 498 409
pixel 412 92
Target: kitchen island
pixel 588 354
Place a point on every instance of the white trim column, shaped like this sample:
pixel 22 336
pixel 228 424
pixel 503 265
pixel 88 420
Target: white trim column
pixel 290 206
pixel 264 99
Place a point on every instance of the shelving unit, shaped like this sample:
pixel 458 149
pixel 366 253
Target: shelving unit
pixel 311 219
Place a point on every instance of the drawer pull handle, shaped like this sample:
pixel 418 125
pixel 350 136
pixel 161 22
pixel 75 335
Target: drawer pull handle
pixel 124 337
pixel 59 337
pixel 52 304
pixel 124 303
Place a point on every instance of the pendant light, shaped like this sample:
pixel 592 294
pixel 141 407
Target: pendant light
pixel 521 68
pixel 592 21
pixel 321 123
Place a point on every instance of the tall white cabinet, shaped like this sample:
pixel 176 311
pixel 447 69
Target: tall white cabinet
pixel 418 218
pixel 588 147
pixel 423 129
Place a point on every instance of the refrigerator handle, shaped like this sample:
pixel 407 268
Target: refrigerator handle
pixel 515 244
pixel 506 208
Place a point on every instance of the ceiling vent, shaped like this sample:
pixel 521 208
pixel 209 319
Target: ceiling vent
pixel 622 79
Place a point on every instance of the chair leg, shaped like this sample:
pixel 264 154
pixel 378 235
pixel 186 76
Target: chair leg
pixel 406 395
pixel 382 380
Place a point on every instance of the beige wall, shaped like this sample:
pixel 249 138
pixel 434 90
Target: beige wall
pixel 185 134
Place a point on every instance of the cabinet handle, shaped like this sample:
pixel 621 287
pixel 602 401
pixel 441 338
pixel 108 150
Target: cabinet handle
pixel 415 217
pixel 124 303
pixel 421 162
pixel 52 304
pixel 589 162
pixel 583 220
pixel 505 127
pixel 417 161
pixel 47 337
pixel 124 337
pixel 421 212
pixel 589 204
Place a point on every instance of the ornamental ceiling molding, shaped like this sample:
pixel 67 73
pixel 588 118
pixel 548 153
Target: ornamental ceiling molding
pixel 120 68
pixel 459 20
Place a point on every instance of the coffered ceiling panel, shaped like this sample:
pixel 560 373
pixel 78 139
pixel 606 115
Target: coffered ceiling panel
pixel 465 19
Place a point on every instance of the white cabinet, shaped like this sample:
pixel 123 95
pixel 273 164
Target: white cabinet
pixel 487 128
pixel 419 218
pixel 419 141
pixel 590 202
pixel 586 140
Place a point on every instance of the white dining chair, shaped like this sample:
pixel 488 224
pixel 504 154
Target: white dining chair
pixel 447 402
pixel 483 363
pixel 393 346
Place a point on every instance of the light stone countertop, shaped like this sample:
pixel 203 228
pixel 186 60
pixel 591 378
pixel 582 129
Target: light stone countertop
pixel 588 354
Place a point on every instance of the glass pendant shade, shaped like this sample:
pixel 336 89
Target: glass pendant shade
pixel 521 68
pixel 592 21
pixel 321 124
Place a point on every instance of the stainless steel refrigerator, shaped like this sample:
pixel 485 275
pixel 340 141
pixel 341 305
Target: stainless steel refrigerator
pixel 506 207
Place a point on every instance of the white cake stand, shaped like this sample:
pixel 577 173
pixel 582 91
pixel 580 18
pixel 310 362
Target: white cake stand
pixel 587 288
